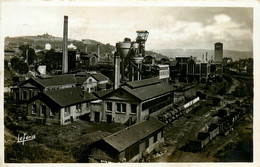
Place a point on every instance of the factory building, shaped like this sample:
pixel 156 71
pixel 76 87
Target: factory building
pixel 188 67
pixel 61 106
pixel 90 82
pixel 130 144
pixel 137 100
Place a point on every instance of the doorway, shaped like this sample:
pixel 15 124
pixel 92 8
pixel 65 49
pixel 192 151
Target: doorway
pixel 97 115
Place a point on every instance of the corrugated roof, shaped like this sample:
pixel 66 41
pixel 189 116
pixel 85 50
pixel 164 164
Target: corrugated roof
pixel 145 82
pixel 69 96
pixel 55 80
pixel 150 91
pixel 129 136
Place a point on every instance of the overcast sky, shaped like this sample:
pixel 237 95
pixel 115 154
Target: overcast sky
pixel 169 27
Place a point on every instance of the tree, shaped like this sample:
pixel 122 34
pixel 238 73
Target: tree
pixel 19 66
pixel 31 53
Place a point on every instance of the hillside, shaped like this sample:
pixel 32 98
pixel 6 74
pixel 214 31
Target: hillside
pixel 39 42
pixel 235 55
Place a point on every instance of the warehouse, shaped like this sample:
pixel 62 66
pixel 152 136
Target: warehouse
pixel 124 146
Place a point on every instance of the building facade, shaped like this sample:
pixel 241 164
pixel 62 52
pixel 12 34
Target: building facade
pixel 123 146
pixel 61 106
pixel 136 101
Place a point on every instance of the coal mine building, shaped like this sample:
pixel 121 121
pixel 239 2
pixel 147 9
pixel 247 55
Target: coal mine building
pixel 137 100
pixel 130 144
pixel 61 106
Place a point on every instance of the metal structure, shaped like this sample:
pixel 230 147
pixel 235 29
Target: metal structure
pixel 130 56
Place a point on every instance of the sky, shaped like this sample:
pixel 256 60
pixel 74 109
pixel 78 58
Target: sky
pixel 169 27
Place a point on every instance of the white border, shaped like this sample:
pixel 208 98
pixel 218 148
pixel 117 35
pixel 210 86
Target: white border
pixel 206 3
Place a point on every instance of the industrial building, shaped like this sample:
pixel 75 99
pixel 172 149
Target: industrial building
pixel 130 144
pixel 61 106
pixel 137 100
pixel 89 81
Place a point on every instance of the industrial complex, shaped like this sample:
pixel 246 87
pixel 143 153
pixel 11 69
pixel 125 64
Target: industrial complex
pixel 147 95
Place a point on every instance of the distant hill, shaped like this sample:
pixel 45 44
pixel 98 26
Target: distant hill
pixel 39 42
pixel 235 55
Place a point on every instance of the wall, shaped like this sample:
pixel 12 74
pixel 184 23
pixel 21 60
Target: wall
pixel 45 118
pixel 74 113
pixel 119 117
pixel 90 86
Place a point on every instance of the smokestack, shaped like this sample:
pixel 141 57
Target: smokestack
pixel 203 58
pixel 85 48
pixel 206 56
pixel 117 70
pixel 65 46
pixel 98 52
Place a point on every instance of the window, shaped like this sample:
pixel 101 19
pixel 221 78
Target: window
pixel 155 138
pixel 67 111
pixel 78 107
pixel 51 114
pixel 88 104
pixel 124 107
pixel 43 110
pixel 109 106
pixel 90 80
pixel 133 108
pixel 24 95
pixel 34 111
pixel 118 107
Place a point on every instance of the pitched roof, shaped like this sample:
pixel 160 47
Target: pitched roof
pixel 141 83
pixel 81 79
pixel 99 77
pixel 102 93
pixel 129 136
pixel 69 96
pixel 150 91
pixel 55 80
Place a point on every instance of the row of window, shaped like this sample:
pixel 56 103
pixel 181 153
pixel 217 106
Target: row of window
pixel 78 108
pixel 42 110
pixel 121 107
pixel 25 94
pixel 154 102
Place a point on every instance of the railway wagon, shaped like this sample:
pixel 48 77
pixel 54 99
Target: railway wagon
pixel 213 131
pixel 234 116
pixel 221 124
pixel 204 139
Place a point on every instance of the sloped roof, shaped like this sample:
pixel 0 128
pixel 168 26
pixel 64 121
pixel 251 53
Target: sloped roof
pixel 129 136
pixel 81 79
pixel 69 96
pixel 55 80
pixel 141 83
pixel 103 92
pixel 99 77
pixel 146 92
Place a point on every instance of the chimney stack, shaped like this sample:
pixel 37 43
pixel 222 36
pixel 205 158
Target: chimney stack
pixel 85 48
pixel 206 56
pixel 98 52
pixel 117 70
pixel 65 46
pixel 203 58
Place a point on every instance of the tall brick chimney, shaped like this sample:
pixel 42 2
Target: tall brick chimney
pixel 98 52
pixel 65 46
